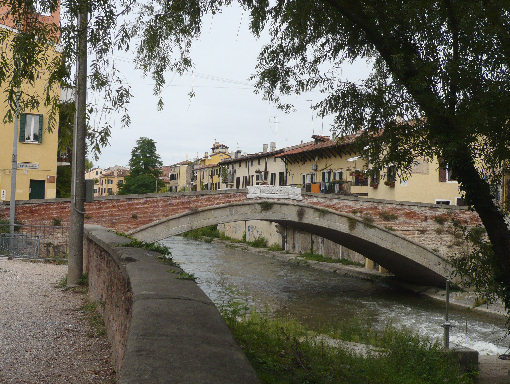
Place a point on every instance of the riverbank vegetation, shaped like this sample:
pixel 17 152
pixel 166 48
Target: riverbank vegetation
pixel 284 351
pixel 319 257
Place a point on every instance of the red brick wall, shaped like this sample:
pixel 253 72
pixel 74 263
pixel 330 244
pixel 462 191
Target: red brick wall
pixel 432 226
pixel 418 222
pixel 122 214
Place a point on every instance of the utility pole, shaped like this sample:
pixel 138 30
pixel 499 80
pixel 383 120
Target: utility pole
pixel 14 166
pixel 75 264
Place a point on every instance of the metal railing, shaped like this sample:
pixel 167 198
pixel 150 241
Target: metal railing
pixel 49 241
pixel 19 245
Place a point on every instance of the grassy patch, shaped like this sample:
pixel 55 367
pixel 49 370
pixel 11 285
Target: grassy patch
pixel 317 257
pixel 283 351
pixel 266 206
pixel 210 231
pixel 441 219
pixel 181 275
pixel 275 247
pixel 94 319
pixel 83 282
pixel 259 242
pixel 352 222
pixel 388 216
pixel 368 221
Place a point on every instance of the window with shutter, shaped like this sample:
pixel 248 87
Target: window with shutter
pixel 442 175
pixel 22 123
pixel 31 128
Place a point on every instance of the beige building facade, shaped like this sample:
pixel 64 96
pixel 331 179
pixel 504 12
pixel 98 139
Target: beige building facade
pixel 37 144
pixel 262 168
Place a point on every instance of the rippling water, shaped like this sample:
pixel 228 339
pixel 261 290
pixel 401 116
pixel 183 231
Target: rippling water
pixel 317 297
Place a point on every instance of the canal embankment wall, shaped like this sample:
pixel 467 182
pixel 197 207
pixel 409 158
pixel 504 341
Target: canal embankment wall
pixel 162 327
pixel 289 238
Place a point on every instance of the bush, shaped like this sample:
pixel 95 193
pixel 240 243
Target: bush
pixel 259 242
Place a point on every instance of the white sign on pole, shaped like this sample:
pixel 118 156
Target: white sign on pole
pixel 3 195
pixel 28 165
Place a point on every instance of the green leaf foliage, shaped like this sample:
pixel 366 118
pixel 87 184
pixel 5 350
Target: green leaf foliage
pixel 145 169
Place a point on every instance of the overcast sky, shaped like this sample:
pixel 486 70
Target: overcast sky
pixel 224 108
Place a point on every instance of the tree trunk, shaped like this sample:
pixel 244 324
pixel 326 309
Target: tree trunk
pixel 478 195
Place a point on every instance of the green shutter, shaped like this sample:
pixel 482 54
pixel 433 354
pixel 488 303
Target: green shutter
pixel 22 123
pixel 40 128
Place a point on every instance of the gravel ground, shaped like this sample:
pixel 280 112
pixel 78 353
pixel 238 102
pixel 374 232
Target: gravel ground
pixel 44 338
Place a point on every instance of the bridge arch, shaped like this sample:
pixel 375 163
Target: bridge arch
pixel 406 259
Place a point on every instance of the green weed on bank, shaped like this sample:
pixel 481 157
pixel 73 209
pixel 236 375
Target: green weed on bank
pixel 284 351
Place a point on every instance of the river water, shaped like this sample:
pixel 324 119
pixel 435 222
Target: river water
pixel 316 297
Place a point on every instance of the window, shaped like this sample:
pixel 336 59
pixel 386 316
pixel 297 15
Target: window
pixel 252 163
pixel 360 178
pixel 96 173
pixel 273 179
pixel 445 174
pixel 375 178
pixel 258 161
pixel 110 191
pixel 110 181
pixel 281 178
pixel 120 182
pixel 443 202
pixel 460 202
pixel 30 128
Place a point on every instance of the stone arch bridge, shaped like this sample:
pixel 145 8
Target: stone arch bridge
pixel 412 240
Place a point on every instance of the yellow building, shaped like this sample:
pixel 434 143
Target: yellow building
pixel 110 181
pixel 329 166
pixel 94 174
pixel 37 146
pixel 207 172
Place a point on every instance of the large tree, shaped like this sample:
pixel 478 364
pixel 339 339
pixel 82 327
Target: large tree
pixel 145 169
pixel 439 85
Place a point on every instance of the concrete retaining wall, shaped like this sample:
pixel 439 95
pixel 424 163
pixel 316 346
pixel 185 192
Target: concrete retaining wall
pixel 297 241
pixel 163 329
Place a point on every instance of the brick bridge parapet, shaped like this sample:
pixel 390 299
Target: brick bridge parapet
pixel 436 227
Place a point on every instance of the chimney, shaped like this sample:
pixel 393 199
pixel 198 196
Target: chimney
pixel 206 155
pixel 264 148
pixel 272 146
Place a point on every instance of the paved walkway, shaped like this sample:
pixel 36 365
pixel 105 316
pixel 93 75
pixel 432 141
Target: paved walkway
pixel 43 336
pixel 493 370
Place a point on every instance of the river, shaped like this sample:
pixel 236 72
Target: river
pixel 319 298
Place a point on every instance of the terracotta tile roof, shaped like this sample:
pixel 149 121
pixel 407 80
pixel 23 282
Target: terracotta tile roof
pixel 324 143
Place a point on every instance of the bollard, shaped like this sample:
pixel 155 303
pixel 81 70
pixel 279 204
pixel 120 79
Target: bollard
pixel 447 324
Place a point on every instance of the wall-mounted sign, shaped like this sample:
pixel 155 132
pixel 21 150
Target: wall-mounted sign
pixel 3 195
pixel 28 165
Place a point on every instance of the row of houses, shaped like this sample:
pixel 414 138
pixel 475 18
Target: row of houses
pixel 322 165
pixel 107 181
